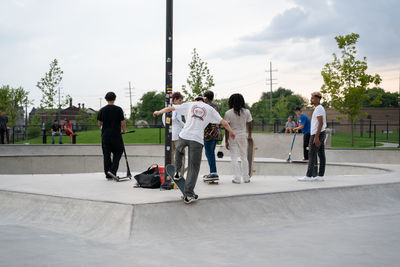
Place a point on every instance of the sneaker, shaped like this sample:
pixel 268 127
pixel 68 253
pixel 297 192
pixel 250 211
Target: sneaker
pixel 235 181
pixel 189 199
pixel 306 178
pixel 177 177
pixel 320 178
pixel 108 177
pixel 113 176
pixel 211 177
pixel 246 181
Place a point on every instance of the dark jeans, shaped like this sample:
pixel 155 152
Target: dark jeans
pixel 306 143
pixel 194 162
pixel 114 146
pixel 314 151
pixel 2 134
pixel 209 148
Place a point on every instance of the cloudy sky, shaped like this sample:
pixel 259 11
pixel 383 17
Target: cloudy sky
pixel 101 45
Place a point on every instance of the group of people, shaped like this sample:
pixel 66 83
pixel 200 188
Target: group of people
pixel 195 125
pixel 56 130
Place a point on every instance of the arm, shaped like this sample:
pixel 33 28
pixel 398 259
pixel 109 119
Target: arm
pixel 228 128
pixel 299 128
pixel 226 139
pixel 316 138
pixel 249 129
pixel 164 110
pixel 123 124
pixel 99 123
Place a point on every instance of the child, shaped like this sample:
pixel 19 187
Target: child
pixel 239 118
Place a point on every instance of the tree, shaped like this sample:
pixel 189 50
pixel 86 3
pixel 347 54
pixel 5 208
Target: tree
pixel 48 86
pixel 200 79
pixel 377 97
pixel 346 80
pixel 12 101
pixel 150 102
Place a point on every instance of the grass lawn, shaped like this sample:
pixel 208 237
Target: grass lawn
pixel 141 136
pixel 343 140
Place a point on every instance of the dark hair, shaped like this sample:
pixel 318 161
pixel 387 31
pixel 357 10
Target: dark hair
pixel 236 101
pixel 55 120
pixel 209 94
pixel 110 96
pixel 199 97
pixel 297 109
pixel 177 95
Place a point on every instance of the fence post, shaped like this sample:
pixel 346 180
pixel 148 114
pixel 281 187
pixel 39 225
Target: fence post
pixel 387 130
pixel 159 134
pixel 361 127
pixel 262 121
pixel 370 122
pixel 374 135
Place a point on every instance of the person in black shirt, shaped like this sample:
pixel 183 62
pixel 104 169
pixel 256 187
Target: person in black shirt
pixel 3 127
pixel 56 130
pixel 110 119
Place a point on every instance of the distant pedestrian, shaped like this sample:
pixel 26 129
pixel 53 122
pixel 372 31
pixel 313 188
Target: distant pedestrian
pixel 111 119
pixel 317 141
pixel 290 124
pixel 56 130
pixel 198 116
pixel 177 126
pixel 304 127
pixel 3 127
pixel 212 134
pixel 67 127
pixel 239 118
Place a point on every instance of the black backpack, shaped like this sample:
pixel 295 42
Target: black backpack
pixel 149 178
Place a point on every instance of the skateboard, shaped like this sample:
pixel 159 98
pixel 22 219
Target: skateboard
pixel 170 170
pixel 211 180
pixel 250 156
pixel 291 148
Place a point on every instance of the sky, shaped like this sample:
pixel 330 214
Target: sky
pixel 102 45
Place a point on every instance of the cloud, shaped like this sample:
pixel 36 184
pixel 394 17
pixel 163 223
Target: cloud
pixel 377 22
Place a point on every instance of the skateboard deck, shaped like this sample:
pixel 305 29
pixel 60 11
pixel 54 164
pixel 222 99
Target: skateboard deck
pixel 211 181
pixel 170 170
pixel 250 156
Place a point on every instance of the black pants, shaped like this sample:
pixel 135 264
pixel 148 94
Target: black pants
pixel 114 146
pixel 306 143
pixel 314 151
pixel 2 133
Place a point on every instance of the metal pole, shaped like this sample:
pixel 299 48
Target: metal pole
pixel 398 103
pixel 374 135
pixel 168 81
pixel 387 130
pixel 130 98
pixel 270 84
pixel 370 129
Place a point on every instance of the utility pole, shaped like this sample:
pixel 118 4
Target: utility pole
pixel 100 102
pixel 398 103
pixel 130 88
pixel 270 80
pixel 168 81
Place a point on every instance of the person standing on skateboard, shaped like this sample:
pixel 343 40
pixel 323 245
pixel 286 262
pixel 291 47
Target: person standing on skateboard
pixel 111 119
pixel 317 140
pixel 198 115
pixel 239 118
pixel 304 126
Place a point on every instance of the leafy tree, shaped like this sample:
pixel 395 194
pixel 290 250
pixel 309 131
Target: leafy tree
pixel 346 80
pixel 223 105
pixel 200 79
pixel 34 128
pixel 48 85
pixel 12 100
pixel 150 102
pixel 377 97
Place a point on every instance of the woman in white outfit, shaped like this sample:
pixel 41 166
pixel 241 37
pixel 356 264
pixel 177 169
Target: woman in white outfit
pixel 239 118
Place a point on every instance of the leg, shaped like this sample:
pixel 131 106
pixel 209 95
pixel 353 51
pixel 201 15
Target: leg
pixel 117 151
pixel 174 144
pixel 195 150
pixel 306 143
pixel 312 157
pixel 180 153
pixel 106 157
pixel 60 138
pixel 52 137
pixel 321 154
pixel 2 136
pixel 7 136
pixel 234 149
pixel 242 142
pixel 210 154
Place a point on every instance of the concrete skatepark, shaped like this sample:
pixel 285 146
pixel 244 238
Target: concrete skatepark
pixel 58 210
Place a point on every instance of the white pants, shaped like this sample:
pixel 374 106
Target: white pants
pixel 238 148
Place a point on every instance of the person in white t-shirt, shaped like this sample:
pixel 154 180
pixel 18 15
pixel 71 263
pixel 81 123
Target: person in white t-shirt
pixel 198 115
pixel 317 141
pixel 177 126
pixel 239 118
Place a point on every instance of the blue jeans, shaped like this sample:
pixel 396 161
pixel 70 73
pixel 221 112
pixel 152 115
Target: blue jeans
pixel 209 147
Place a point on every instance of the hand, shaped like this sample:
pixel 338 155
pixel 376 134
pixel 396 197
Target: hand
pixel 227 145
pixel 156 113
pixel 249 137
pixel 232 135
pixel 316 141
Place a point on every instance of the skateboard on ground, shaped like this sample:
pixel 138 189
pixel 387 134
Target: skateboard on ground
pixel 170 170
pixel 211 180
pixel 250 156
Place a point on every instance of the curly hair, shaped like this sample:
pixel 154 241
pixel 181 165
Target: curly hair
pixel 236 101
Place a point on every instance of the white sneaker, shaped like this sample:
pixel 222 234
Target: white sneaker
pixel 246 181
pixel 306 178
pixel 320 178
pixel 235 181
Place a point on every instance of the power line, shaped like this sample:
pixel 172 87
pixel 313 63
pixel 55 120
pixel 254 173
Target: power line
pixel 270 83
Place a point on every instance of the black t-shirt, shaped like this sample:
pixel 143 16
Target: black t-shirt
pixel 56 127
pixel 111 116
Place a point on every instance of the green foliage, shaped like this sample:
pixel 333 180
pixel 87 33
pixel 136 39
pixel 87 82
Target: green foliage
pixel 200 80
pixel 13 100
pixel 150 102
pixel 377 97
pixel 84 118
pixel 34 128
pixel 346 80
pixel 223 105
pixel 48 86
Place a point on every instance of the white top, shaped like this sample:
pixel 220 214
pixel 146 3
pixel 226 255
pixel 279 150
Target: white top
pixel 177 124
pixel 198 115
pixel 238 123
pixel 318 111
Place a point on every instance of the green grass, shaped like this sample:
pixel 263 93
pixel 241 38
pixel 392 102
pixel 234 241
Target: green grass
pixel 141 136
pixel 343 140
